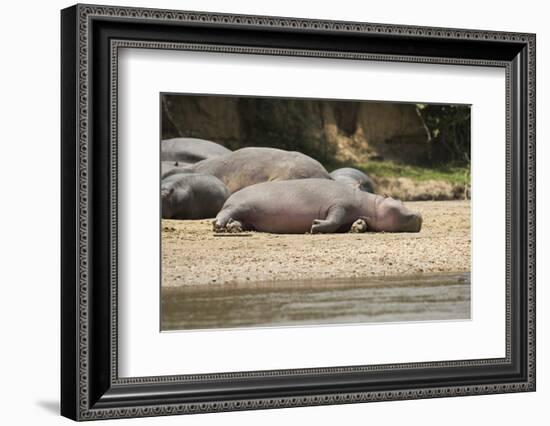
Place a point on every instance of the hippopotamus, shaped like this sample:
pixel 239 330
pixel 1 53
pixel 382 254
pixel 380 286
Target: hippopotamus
pixel 248 166
pixel 168 166
pixel 353 177
pixel 192 196
pixel 190 150
pixel 313 205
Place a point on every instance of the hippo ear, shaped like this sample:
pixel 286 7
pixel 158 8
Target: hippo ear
pixel 166 192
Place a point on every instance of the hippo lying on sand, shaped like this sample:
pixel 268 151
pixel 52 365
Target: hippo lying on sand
pixel 192 196
pixel 312 205
pixel 190 150
pixel 248 166
pixel 353 177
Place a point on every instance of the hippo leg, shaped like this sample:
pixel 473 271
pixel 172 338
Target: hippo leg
pixel 360 225
pixel 224 222
pixel 219 224
pixel 332 223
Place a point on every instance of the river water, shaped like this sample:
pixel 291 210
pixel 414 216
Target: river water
pixel 328 301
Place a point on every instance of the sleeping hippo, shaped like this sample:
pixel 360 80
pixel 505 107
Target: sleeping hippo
pixel 168 166
pixel 248 166
pixel 353 177
pixel 192 196
pixel 313 205
pixel 190 150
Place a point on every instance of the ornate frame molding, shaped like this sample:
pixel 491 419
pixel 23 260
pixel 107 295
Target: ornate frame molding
pixel 82 17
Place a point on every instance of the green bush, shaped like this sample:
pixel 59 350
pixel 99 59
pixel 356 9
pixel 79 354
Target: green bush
pixel 449 128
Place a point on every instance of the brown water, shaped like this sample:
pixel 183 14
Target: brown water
pixel 272 304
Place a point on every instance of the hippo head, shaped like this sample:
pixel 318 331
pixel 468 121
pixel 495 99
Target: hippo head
pixel 392 216
pixel 172 199
pixel 166 195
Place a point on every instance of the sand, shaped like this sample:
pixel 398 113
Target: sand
pixel 193 256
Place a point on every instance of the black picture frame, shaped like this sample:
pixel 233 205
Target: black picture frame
pixel 90 386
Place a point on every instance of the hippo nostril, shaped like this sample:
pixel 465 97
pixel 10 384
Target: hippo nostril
pixel 417 222
pixel 414 223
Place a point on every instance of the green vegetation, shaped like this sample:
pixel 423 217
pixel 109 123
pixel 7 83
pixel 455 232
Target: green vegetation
pixel 449 129
pixel 452 174
pixel 448 173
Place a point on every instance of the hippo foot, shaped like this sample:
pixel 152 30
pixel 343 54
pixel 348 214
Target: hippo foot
pixel 232 226
pixel 358 226
pixel 216 227
pixel 320 226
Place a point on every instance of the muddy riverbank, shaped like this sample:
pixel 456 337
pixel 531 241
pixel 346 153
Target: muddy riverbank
pixel 427 297
pixel 192 255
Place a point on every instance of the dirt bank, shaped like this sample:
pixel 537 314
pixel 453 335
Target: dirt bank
pixel 193 255
pixel 407 189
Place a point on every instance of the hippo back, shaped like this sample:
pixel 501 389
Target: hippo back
pixel 353 177
pixel 166 167
pixel 249 166
pixel 190 150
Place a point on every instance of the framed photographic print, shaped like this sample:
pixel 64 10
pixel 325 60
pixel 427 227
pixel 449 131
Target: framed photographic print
pixel 263 212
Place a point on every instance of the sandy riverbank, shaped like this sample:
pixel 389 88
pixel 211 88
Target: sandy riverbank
pixel 193 255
